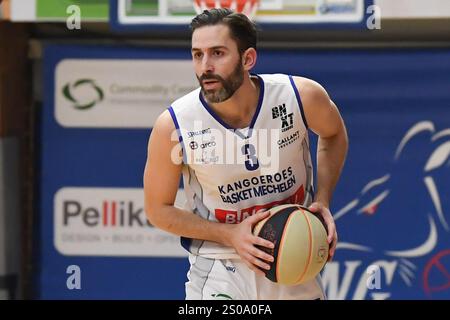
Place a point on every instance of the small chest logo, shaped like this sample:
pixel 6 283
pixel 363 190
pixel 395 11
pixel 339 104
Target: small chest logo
pixel 287 120
pixel 193 145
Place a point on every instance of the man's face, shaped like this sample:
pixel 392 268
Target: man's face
pixel 217 62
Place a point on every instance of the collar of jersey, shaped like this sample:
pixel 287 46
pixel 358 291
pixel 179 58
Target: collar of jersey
pixel 255 116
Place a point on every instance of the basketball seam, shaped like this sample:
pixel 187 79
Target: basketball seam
pixel 280 247
pixel 309 247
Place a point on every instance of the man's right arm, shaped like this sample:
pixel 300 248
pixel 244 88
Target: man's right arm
pixel 161 179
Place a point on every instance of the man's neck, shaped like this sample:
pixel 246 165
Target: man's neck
pixel 238 111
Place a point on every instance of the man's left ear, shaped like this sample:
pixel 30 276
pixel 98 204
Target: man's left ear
pixel 249 58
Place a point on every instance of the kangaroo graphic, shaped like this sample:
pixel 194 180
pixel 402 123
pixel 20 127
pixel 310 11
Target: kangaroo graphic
pixel 420 173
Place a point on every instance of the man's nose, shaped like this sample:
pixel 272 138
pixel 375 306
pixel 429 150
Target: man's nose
pixel 207 66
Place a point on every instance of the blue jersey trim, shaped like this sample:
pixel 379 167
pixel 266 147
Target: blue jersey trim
pixel 255 116
pixel 186 243
pixel 180 137
pixel 299 101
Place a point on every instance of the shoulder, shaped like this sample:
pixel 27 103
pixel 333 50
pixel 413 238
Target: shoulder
pixel 189 99
pixel 164 138
pixel 164 125
pixel 322 115
pixel 311 92
pixel 275 78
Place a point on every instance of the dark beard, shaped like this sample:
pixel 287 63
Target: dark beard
pixel 229 85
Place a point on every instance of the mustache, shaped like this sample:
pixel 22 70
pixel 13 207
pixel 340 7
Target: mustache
pixel 210 76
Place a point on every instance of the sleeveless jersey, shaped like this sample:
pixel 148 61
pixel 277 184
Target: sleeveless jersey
pixel 230 174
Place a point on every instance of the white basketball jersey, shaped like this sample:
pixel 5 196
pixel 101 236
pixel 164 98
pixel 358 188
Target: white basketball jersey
pixel 230 174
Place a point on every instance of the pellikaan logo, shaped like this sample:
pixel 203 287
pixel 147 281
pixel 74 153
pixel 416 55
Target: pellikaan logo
pixel 403 218
pixel 108 221
pixel 110 213
pixel 80 102
pixel 287 120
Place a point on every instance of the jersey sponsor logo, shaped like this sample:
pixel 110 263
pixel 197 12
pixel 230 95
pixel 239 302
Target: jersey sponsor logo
pixel 231 268
pixel 193 145
pixel 283 142
pixel 191 134
pixel 208 144
pixel 237 216
pixel 207 159
pixel 258 186
pixel 287 120
pixel 221 296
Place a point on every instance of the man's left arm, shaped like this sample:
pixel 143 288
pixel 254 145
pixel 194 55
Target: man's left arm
pixel 324 119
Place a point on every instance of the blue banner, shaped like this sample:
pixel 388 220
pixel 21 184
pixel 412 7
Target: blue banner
pixel 392 204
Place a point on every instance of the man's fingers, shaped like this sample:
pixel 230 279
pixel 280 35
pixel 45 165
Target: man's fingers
pixel 330 226
pixel 254 268
pixel 262 242
pixel 325 215
pixel 259 263
pixel 331 231
pixel 257 217
pixel 330 258
pixel 334 244
pixel 314 207
pixel 332 249
pixel 258 271
pixel 262 255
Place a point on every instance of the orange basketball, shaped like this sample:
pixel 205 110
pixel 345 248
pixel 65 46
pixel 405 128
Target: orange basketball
pixel 301 247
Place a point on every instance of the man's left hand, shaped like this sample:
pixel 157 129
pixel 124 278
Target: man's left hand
pixel 319 209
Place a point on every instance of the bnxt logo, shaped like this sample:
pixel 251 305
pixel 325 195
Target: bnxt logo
pixel 287 120
pixel 85 99
pixel 109 214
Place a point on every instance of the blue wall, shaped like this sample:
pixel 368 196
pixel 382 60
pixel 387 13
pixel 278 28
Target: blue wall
pixel 399 223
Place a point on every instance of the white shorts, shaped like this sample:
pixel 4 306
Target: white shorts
pixel 211 279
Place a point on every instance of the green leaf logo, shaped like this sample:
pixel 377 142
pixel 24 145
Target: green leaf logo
pixel 68 94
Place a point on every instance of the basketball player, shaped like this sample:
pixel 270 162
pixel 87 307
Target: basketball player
pixel 225 200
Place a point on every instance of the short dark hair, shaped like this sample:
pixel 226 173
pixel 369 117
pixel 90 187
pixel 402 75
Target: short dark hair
pixel 242 29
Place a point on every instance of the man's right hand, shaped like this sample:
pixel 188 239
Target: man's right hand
pixel 243 240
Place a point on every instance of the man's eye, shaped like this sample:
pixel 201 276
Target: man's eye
pixel 197 55
pixel 218 53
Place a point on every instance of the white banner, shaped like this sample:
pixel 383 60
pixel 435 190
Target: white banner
pixel 23 10
pixel 109 222
pixel 118 93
